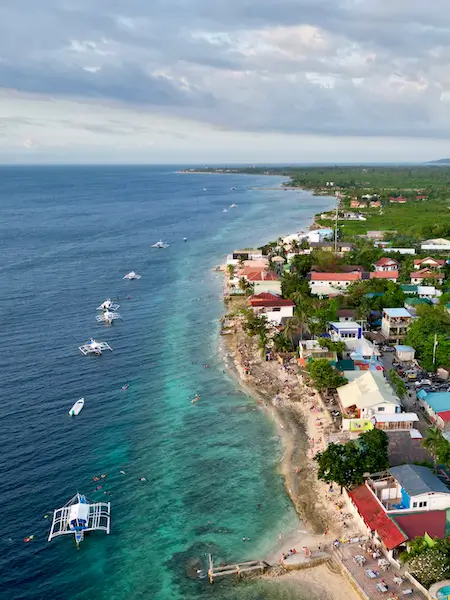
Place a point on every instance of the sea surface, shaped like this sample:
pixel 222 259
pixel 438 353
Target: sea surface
pixel 67 237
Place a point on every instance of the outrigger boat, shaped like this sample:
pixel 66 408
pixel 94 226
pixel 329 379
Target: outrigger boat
pixel 131 275
pixel 108 317
pixel 108 304
pixel 93 347
pixel 78 516
pixel 160 244
pixel 77 408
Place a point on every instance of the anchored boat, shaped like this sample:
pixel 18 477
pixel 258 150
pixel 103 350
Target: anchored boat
pixel 77 408
pixel 78 516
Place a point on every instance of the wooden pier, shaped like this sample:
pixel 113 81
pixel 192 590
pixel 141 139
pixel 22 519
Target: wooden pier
pixel 237 569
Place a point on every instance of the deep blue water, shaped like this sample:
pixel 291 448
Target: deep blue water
pixel 67 237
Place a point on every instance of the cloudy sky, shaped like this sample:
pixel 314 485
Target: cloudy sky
pixel 224 80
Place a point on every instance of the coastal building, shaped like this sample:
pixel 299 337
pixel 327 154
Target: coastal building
pixel 343 331
pixel 397 200
pixel 429 263
pixel 264 281
pixel 404 353
pixel 435 245
pixel 249 254
pixel 411 304
pixel 375 235
pixel 346 314
pixel 388 275
pixel 316 236
pixel 342 247
pixel 386 264
pixel 351 216
pixel 331 284
pixel 367 395
pixel 437 406
pixel 257 263
pixel 423 291
pixel 401 421
pixel 418 277
pixel 311 349
pixel 395 323
pixel 375 204
pixel 357 204
pixel 272 306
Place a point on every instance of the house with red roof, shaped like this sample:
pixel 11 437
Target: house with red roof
pixel 389 275
pixel 264 281
pixel 386 264
pixel 429 263
pixel 332 284
pixel 418 277
pixel 272 306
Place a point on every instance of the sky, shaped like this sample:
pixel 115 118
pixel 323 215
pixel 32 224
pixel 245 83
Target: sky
pixel 211 81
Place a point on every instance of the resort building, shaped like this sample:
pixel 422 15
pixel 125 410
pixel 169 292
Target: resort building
pixel 418 277
pixel 389 275
pixel 436 245
pixel 272 306
pixel 311 349
pixel 316 236
pixel 428 262
pixel 247 254
pixel 437 405
pixel 386 264
pixel 395 323
pixel 331 284
pixel 341 247
pixel 367 395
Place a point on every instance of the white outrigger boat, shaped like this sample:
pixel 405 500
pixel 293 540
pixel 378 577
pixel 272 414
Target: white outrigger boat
pixel 78 516
pixel 225 210
pixel 131 275
pixel 108 304
pixel 77 408
pixel 233 205
pixel 160 244
pixel 107 317
pixel 93 347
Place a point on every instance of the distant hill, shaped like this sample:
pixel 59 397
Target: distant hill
pixel 441 161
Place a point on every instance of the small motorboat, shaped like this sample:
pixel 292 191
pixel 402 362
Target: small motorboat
pixel 131 275
pixel 184 239
pixel 224 210
pixel 205 190
pixel 233 205
pixel 233 189
pixel 77 408
pixel 160 244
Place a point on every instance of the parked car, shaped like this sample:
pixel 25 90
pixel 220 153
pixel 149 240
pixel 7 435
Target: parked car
pixel 422 382
pixel 387 349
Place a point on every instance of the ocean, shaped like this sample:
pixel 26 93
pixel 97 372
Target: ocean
pixel 67 237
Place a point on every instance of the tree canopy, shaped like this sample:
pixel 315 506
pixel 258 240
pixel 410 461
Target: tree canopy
pixel 324 376
pixel 428 560
pixel 433 321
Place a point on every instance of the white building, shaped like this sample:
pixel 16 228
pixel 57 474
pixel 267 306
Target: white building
pixel 405 353
pixel 343 331
pixel 327 284
pixel 367 395
pixel 395 323
pixel 272 306
pixel 436 245
pixel 386 264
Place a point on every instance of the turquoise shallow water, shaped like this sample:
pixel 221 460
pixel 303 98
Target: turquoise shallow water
pixel 67 236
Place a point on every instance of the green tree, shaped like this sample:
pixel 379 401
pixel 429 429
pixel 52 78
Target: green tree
pixel 301 264
pixel 282 343
pixel 432 443
pixel 374 449
pixel 263 340
pixel 431 566
pixel 339 347
pixel 254 324
pixel 429 335
pixel 341 464
pixel 324 376
pixel 397 383
pixel 231 269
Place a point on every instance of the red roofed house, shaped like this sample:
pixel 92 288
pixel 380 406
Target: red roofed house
pixel 433 522
pixel 417 277
pixel 357 204
pixel 375 204
pixel 428 262
pixel 386 264
pixel 264 281
pixel 384 529
pixel 327 284
pixel 271 305
pixel 397 199
pixel 389 275
pixel 422 197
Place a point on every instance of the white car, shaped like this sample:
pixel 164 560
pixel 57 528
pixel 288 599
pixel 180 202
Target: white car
pixel 422 382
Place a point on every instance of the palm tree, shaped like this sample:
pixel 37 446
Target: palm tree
pixel 295 246
pixel 262 341
pixel 282 343
pixel 231 269
pixel 432 443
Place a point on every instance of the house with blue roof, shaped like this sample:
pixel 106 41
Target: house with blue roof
pixel 437 405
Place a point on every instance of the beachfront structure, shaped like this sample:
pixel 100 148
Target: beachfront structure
pixel 410 487
pixel 264 282
pixel 388 275
pixel 404 353
pixel 435 245
pixel 249 254
pixel 311 349
pixel 428 262
pixel 319 235
pixel 331 284
pixel 345 331
pixel 341 247
pixel 418 277
pixel 272 306
pixel 367 395
pixel 79 516
pixel 386 264
pixel 402 421
pixel 395 323
pixel 437 405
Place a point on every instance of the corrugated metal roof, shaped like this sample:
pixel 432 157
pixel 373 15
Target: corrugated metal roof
pixel 433 522
pixel 417 480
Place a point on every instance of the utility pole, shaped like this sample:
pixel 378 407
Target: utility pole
pixel 336 224
pixel 435 344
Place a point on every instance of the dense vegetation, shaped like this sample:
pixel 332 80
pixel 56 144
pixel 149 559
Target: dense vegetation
pixel 428 560
pixel 430 336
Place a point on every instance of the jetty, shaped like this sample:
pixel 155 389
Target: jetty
pixel 235 569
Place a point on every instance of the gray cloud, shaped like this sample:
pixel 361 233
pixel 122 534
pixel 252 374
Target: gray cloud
pixel 338 67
